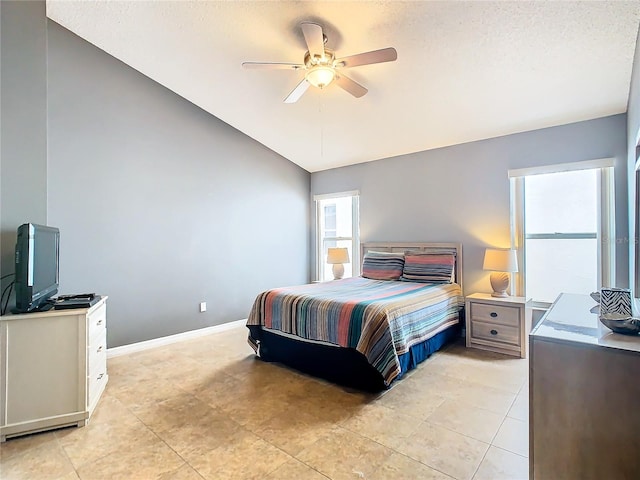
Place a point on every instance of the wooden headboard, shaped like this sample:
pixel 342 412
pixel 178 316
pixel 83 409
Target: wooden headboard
pixel 454 248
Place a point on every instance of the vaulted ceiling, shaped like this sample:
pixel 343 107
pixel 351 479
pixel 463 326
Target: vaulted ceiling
pixel 465 70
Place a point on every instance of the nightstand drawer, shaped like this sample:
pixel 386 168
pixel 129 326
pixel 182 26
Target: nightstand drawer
pixel 495 333
pixel 495 314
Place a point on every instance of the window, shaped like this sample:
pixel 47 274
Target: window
pixel 337 226
pixel 562 226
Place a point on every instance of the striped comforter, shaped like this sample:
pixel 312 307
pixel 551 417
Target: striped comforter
pixel 379 318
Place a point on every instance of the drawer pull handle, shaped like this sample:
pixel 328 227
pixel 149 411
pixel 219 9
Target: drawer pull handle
pixel 494 332
pixel 100 376
pixel 99 349
pixel 494 314
pixel 99 322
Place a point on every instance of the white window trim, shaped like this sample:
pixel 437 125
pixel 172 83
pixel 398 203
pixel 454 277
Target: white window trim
pixel 563 167
pixel 355 238
pixel 606 217
pixel 327 196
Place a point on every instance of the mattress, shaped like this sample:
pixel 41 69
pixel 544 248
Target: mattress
pixel 381 319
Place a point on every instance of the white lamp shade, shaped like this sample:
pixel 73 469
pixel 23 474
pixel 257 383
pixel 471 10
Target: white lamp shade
pixel 500 260
pixel 337 256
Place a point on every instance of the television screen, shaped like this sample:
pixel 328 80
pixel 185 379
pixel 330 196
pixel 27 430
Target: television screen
pixel 37 266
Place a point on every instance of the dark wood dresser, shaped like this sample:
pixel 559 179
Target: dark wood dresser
pixel 584 396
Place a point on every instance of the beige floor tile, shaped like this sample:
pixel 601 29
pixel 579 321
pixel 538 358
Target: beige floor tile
pixel 246 457
pixel 110 409
pixel 444 450
pixel 44 462
pixel 263 404
pixel 382 424
pixel 87 444
pixel 345 455
pixel 499 378
pixel 224 388
pixel 187 373
pixel 252 366
pixel 499 464
pixel 487 398
pixel 467 420
pixel 412 400
pixel 513 436
pixel 400 467
pixel 475 354
pixel 69 476
pixel 331 403
pixel 513 364
pixel 520 408
pixel 185 472
pixel 201 434
pixel 292 433
pixel 174 412
pixel 463 362
pixel 19 445
pixel 125 371
pixel 156 357
pixel 295 470
pixel 430 382
pixel 143 392
pixel 149 461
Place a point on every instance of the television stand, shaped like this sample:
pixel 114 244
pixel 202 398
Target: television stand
pixel 53 369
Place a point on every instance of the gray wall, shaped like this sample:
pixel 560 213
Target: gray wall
pixel 633 132
pixel 23 123
pixel 161 205
pixel 461 193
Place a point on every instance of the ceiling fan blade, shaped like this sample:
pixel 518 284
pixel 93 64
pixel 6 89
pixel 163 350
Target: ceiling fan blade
pixel 367 58
pixel 354 88
pixel 271 66
pixel 313 36
pixel 297 92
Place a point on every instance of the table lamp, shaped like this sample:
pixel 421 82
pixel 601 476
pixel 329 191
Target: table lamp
pixel 337 257
pixel 501 263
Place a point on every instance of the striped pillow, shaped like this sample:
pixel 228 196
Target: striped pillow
pixel 382 265
pixel 428 267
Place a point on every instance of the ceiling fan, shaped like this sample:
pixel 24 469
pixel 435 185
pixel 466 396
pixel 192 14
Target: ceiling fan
pixel 321 67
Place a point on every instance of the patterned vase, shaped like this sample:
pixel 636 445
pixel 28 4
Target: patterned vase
pixel 615 300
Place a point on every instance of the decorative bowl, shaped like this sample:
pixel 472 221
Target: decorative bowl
pixel 621 323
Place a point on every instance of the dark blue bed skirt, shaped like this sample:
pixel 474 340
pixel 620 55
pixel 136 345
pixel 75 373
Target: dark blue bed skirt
pixel 344 366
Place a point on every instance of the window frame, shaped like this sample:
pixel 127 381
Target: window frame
pixel 605 221
pixel 355 231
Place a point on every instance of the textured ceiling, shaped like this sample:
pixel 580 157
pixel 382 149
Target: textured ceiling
pixel 465 70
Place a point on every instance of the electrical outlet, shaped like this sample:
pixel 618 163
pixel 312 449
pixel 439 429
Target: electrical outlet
pixel 203 306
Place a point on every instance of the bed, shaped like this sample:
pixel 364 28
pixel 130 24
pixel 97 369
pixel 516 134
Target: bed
pixel 364 332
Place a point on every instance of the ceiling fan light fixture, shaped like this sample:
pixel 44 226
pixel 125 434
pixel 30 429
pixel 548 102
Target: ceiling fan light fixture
pixel 320 75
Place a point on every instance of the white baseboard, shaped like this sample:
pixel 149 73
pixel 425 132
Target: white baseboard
pixel 178 337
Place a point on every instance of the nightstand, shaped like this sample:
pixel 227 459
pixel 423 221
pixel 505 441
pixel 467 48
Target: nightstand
pixel 498 324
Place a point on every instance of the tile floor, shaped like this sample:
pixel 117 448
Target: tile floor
pixel 208 409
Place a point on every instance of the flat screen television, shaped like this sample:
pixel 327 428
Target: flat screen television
pixel 37 272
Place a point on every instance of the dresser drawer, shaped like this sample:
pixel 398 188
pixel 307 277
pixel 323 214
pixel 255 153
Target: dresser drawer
pixel 495 314
pixel 95 384
pixel 97 353
pixel 97 322
pixel 495 333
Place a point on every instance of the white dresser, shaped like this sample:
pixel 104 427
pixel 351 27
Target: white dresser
pixel 53 368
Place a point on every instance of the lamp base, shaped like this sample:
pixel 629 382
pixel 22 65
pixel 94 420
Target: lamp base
pixel 499 283
pixel 338 271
